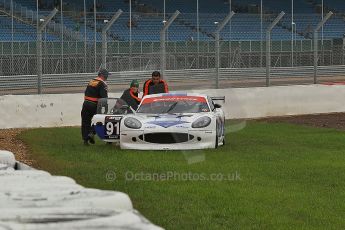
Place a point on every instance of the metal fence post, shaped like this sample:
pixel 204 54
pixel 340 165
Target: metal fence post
pixel 162 40
pixel 343 51
pixel 40 29
pixel 39 61
pixel 315 37
pixel 62 37
pixel 104 37
pixel 268 46
pixel 217 46
pixel 95 33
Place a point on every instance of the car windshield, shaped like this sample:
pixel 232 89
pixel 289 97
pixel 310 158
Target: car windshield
pixel 173 104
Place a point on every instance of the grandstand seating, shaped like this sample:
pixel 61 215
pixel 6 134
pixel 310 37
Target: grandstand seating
pixel 216 6
pixel 334 27
pixel 244 26
pixel 300 6
pixel 76 5
pixel 336 5
pixel 221 6
pixel 28 4
pixel 147 28
pixel 22 32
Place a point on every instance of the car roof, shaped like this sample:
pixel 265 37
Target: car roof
pixel 176 94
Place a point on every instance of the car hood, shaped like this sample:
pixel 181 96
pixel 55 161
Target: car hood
pixel 168 120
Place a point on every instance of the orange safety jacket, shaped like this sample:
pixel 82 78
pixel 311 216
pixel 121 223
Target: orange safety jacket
pixel 149 83
pixel 96 89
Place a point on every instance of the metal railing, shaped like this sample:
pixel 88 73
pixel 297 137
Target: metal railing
pixel 289 75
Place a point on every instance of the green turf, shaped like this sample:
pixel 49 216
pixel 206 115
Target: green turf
pixel 288 177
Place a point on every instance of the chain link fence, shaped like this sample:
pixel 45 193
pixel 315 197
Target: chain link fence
pixel 73 48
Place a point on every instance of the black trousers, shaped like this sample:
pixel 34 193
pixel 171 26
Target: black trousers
pixel 89 109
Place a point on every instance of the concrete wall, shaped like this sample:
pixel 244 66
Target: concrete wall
pixel 52 110
pixel 281 100
pixel 64 110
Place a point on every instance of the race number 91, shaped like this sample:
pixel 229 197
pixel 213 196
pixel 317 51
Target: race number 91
pixel 112 127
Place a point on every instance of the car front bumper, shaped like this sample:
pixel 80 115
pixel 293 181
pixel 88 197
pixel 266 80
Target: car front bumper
pixel 135 139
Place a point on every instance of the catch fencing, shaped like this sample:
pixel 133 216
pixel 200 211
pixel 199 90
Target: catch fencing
pixel 218 48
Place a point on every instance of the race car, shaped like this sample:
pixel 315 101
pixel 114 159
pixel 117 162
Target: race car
pixel 106 122
pixel 174 121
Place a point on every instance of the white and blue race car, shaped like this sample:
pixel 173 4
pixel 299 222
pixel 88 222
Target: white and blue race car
pixel 174 121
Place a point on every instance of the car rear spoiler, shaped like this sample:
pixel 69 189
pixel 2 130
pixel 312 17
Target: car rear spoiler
pixel 218 98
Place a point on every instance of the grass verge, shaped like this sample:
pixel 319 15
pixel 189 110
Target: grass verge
pixel 268 176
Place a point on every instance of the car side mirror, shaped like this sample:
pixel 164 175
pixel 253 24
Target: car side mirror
pixel 217 106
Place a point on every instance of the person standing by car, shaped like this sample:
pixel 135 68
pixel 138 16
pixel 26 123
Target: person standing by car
pixel 96 89
pixel 131 95
pixel 155 85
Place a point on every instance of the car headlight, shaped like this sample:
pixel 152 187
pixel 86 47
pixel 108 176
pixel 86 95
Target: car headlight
pixel 132 123
pixel 201 122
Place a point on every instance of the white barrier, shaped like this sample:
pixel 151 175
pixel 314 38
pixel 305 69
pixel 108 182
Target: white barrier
pixel 64 109
pixel 51 110
pixel 34 199
pixel 281 100
pixel 7 159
